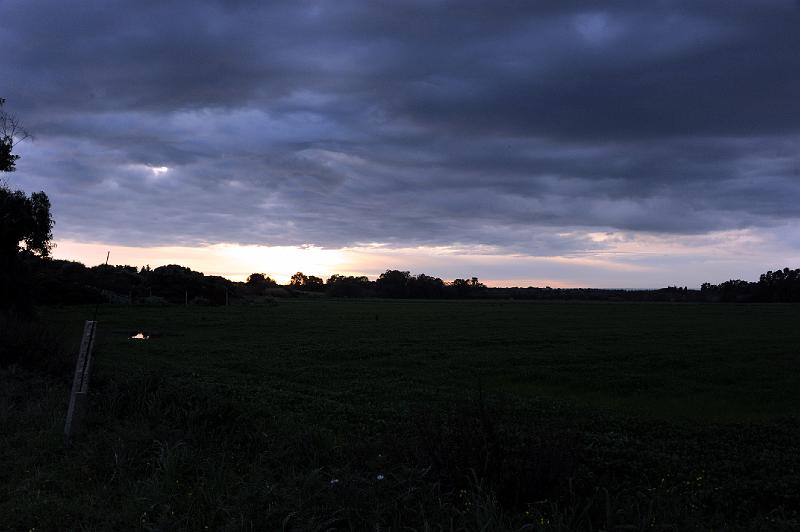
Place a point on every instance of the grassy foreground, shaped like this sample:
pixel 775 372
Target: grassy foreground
pixel 424 415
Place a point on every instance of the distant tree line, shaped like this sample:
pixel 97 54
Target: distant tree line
pixel 780 286
pixel 401 284
pixel 66 282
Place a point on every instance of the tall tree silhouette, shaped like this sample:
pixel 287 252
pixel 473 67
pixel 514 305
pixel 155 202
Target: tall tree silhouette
pixel 306 282
pixel 393 283
pixel 11 133
pixel 25 221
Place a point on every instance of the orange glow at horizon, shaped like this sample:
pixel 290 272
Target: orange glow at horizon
pixel 631 260
pixel 236 262
pixel 231 261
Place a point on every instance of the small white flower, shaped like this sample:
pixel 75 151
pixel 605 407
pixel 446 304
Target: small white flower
pixel 380 477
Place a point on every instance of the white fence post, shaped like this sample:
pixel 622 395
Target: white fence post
pixel 80 383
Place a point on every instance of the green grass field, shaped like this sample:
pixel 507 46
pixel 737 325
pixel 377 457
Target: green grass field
pixel 501 415
pixel 704 362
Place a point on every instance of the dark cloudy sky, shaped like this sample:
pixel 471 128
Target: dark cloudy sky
pixel 614 143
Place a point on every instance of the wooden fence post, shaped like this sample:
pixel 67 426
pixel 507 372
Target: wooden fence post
pixel 76 412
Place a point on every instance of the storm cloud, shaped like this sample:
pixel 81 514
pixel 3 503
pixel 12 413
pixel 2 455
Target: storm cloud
pixel 519 126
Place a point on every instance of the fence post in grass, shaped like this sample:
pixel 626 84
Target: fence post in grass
pixel 78 399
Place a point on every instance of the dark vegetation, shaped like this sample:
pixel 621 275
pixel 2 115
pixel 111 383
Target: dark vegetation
pixel 65 282
pixel 379 414
pixel 24 220
pixel 779 286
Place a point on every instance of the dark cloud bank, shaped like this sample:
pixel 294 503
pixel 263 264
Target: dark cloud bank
pixel 410 123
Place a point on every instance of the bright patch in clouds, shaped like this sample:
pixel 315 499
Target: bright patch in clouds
pixel 611 160
pixel 159 170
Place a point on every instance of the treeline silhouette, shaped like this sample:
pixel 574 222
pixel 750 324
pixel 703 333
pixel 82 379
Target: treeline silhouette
pixel 68 282
pixel 780 286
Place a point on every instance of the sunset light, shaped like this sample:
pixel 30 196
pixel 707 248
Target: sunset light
pixel 492 265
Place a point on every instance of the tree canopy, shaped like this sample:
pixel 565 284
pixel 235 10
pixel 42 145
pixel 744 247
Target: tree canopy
pixel 11 133
pixel 25 221
pixel 307 282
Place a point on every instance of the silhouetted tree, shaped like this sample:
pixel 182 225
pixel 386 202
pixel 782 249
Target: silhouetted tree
pixel 122 280
pixel 177 283
pixel 61 282
pixel 298 280
pixel 23 220
pixel 348 286
pixel 260 280
pixel 306 282
pixel 11 133
pixel 780 285
pixel 467 287
pixel 393 283
pixel 425 286
pixel 314 283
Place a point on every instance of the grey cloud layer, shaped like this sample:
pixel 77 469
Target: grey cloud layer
pixel 333 123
